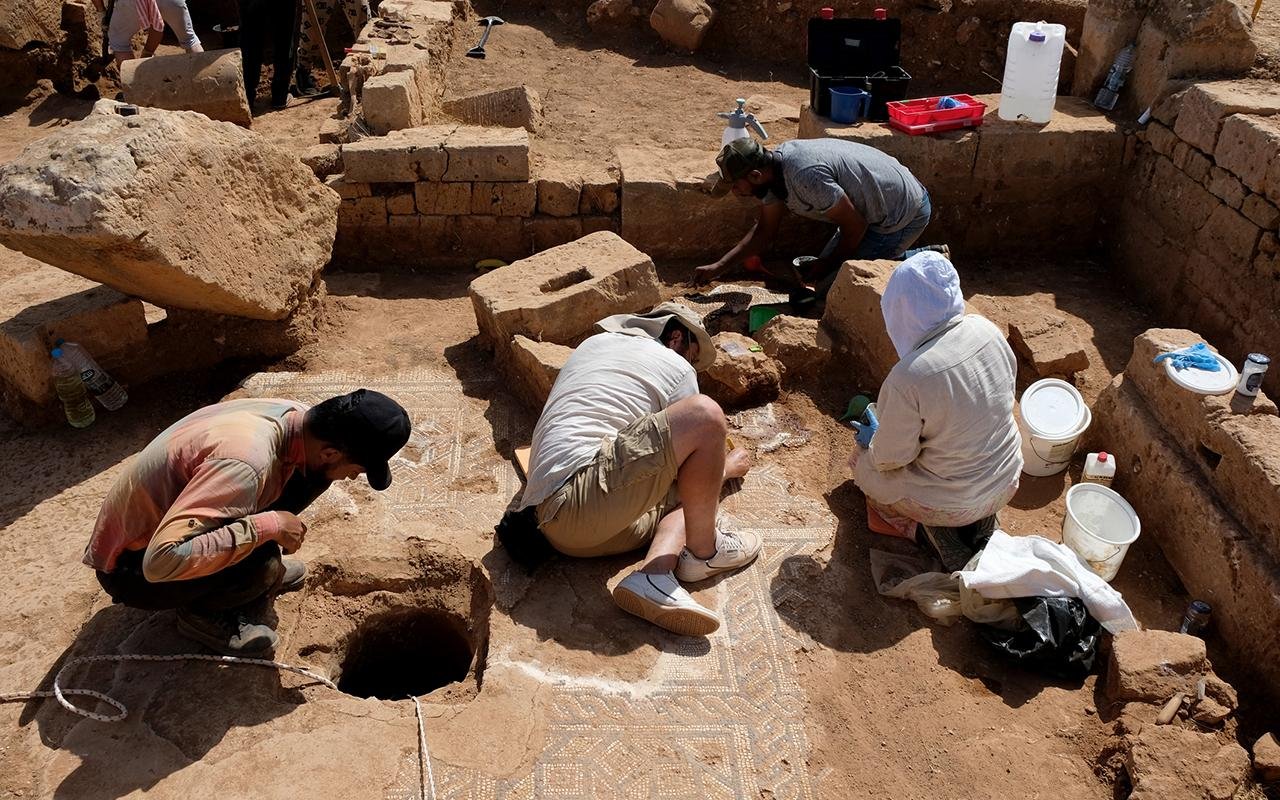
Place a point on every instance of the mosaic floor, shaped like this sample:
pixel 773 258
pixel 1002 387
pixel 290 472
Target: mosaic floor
pixel 723 722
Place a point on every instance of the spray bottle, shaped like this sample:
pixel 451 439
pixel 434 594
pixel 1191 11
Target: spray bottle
pixel 739 119
pixel 1110 91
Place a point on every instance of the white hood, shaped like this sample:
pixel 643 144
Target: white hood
pixel 923 294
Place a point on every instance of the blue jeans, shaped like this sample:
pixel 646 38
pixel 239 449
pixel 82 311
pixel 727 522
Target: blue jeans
pixel 876 245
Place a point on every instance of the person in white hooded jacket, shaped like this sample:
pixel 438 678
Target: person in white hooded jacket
pixel 945 450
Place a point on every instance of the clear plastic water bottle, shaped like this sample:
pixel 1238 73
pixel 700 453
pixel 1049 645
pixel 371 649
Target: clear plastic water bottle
pixel 71 391
pixel 99 382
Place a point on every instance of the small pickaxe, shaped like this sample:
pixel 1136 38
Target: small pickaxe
pixel 488 23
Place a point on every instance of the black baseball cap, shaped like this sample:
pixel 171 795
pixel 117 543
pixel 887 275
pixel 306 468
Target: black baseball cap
pixel 366 425
pixel 737 159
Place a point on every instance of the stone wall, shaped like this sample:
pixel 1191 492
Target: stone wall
pixel 1007 187
pixel 1197 228
pixel 1203 473
pixel 452 195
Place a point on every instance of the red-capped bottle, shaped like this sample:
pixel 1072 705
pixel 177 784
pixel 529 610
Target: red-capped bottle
pixel 882 14
pixel 827 13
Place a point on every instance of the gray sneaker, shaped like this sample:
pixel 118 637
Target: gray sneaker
pixel 295 574
pixel 230 633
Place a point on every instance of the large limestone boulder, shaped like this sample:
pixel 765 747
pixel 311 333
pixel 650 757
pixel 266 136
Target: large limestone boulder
pixel 682 23
pixel 25 21
pixel 211 83
pixel 174 208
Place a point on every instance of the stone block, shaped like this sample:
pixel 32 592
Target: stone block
pixel 209 83
pixel 480 237
pixel 416 62
pixel 1045 342
pixel 1191 418
pixel 1166 762
pixel 363 211
pixel 742 375
pixel 1151 666
pixel 1247 146
pixel 601 191
pixel 560 189
pixel 1205 107
pixel 443 198
pixel 1266 758
pixel 854 320
pixel 504 199
pixel 1161 139
pixel 401 203
pixel 1260 212
pixel 1243 453
pixel 1198 166
pixel 1179 204
pixel 30 21
pixel 547 232
pixel 558 294
pixel 487 154
pixel 1078 142
pixel 932 159
pixel 346 190
pixel 323 160
pixel 802 346
pixel 44 304
pixel 682 23
pixel 391 102
pixel 1108 26
pixel 403 156
pixel 514 107
pixel 1226 187
pixel 599 223
pixel 667 210
pixel 334 131
pixel 1216 559
pixel 421 12
pixel 102 197
pixel 534 367
pixel 1229 237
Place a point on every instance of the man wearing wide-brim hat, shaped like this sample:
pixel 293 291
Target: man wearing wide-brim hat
pixel 627 454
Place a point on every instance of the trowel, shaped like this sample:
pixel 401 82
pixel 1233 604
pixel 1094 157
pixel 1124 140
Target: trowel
pixel 488 23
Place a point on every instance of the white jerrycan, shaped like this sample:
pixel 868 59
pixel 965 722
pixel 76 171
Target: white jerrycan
pixel 1031 71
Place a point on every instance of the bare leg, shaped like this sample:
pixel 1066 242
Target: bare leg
pixel 700 459
pixel 153 41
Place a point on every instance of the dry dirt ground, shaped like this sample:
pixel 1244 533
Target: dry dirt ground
pixel 816 687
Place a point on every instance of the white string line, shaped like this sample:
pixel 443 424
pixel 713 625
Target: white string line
pixel 426 778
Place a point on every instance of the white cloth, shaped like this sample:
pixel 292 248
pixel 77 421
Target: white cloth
pixel 610 381
pixel 922 294
pixel 947 439
pixel 1032 566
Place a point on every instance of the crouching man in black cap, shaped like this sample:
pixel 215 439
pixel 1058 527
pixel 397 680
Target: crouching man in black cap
pixel 198 520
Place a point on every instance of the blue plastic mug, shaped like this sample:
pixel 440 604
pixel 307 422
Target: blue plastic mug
pixel 848 105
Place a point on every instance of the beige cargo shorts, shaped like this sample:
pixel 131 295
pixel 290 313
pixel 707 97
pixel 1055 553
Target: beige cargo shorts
pixel 613 504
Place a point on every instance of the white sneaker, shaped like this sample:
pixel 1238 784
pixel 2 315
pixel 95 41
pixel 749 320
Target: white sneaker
pixel 662 601
pixel 733 550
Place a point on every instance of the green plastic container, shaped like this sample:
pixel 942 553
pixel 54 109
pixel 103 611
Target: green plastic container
pixel 757 316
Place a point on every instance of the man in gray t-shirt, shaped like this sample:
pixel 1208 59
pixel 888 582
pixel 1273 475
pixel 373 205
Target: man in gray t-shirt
pixel 878 205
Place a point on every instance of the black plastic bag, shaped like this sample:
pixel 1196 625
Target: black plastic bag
pixel 1059 637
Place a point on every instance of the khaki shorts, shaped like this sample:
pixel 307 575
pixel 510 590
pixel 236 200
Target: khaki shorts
pixel 613 504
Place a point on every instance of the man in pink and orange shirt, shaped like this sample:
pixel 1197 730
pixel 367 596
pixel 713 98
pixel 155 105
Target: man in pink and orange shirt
pixel 200 518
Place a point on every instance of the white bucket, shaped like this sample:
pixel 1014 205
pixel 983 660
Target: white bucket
pixel 1053 417
pixel 1099 526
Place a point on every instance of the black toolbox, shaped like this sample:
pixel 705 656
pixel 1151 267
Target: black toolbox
pixel 862 53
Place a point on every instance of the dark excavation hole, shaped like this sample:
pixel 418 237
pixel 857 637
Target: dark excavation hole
pixel 405 653
pixel 1211 458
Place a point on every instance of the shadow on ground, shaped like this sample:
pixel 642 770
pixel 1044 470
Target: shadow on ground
pixel 178 711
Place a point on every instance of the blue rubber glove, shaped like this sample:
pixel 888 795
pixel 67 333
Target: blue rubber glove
pixel 1197 356
pixel 866 429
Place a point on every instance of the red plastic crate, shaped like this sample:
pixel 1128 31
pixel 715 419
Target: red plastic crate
pixel 915 117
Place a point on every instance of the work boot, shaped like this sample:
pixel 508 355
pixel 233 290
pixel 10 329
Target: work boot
pixel 304 83
pixel 733 550
pixel 295 574
pixel 230 633
pixel 661 600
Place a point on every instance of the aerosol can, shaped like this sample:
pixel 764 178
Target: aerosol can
pixel 739 119
pixel 1110 91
